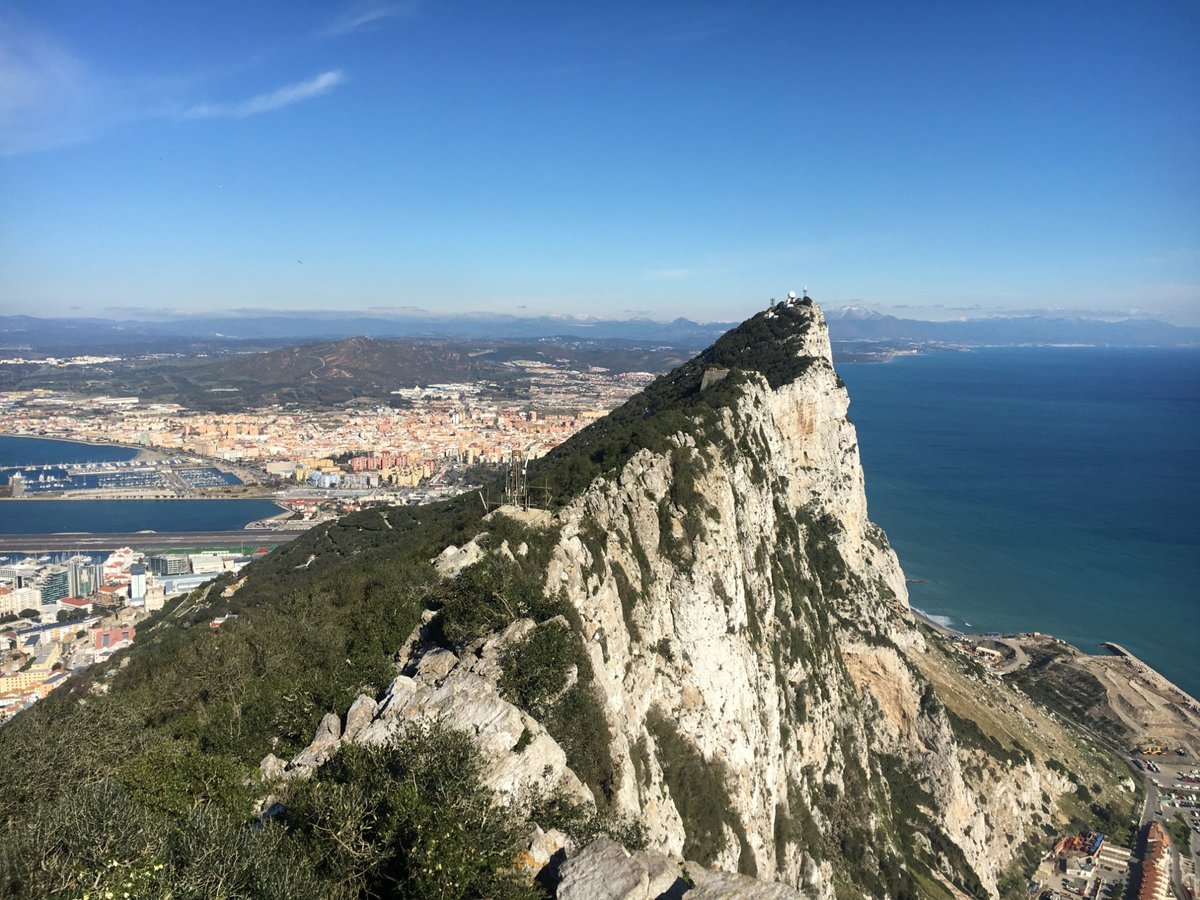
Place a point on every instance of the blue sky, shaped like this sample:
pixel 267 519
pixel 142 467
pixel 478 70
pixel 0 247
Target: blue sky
pixel 661 159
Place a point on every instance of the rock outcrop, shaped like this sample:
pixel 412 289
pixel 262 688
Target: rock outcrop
pixel 520 758
pixel 604 870
pixel 749 639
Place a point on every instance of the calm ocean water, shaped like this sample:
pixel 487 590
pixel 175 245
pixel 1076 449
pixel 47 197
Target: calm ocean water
pixel 24 451
pixel 118 516
pixel 110 516
pixel 1043 489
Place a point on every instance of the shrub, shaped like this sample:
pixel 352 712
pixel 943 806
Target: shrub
pixel 578 723
pixel 101 839
pixel 969 734
pixel 536 669
pixel 408 819
pixel 488 596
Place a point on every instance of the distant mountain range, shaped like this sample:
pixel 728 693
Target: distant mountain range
pixel 846 324
pixel 80 335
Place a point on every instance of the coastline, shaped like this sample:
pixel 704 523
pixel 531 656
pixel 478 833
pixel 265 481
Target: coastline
pixel 944 630
pixel 1148 670
pixel 1164 707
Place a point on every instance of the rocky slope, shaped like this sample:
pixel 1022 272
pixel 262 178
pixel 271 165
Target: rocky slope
pixel 748 636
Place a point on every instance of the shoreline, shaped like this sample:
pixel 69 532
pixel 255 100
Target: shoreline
pixel 144 456
pixel 1114 650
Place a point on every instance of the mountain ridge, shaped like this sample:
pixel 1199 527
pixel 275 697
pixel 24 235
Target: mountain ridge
pixel 701 646
pixel 131 335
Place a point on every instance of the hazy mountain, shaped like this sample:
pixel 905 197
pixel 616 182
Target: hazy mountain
pixel 846 324
pixel 168 332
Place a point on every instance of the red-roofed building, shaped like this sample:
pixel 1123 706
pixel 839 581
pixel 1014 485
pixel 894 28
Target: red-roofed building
pixel 75 603
pixel 1156 865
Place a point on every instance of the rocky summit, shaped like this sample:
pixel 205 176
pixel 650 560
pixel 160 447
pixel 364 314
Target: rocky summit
pixel 678 661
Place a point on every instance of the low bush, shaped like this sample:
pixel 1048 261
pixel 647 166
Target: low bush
pixel 409 819
pixel 536 669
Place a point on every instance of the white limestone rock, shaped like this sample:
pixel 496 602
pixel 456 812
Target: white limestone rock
pixel 271 767
pixel 359 716
pixel 604 870
pixel 519 756
pixel 453 559
pixel 323 745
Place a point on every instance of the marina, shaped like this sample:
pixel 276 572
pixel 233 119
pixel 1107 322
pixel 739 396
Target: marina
pixel 176 476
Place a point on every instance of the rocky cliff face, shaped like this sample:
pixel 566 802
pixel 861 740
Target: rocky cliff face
pixel 748 635
pixel 761 614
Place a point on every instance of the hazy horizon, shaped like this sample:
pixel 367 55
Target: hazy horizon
pixel 932 314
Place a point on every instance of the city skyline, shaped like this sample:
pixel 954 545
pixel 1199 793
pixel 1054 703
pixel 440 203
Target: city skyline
pixel 620 160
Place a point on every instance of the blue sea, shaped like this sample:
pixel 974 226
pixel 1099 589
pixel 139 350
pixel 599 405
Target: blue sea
pixel 27 451
pixel 110 516
pixel 120 516
pixel 1047 489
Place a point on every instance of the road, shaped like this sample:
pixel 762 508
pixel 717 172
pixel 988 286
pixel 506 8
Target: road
pixel 1150 808
pixel 52 543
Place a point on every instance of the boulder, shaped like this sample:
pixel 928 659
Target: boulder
pixel 359 716
pixel 271 767
pixel 604 870
pixel 324 744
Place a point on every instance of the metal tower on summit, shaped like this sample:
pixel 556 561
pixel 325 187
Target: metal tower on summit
pixel 791 299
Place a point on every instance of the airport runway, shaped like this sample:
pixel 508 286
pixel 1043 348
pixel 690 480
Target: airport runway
pixel 56 543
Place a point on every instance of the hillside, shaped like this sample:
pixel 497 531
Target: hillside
pixel 702 647
pixel 334 373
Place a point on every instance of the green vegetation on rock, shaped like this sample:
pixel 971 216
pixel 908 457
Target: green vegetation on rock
pixel 700 793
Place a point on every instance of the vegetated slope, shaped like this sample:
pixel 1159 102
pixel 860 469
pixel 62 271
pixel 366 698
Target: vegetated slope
pixel 369 361
pixel 707 644
pixel 334 373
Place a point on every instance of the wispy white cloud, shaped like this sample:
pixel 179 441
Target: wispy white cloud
pixel 48 95
pixel 360 15
pixel 52 97
pixel 276 99
pixel 690 28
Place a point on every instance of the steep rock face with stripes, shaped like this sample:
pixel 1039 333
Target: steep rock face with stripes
pixel 737 600
pixel 759 673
